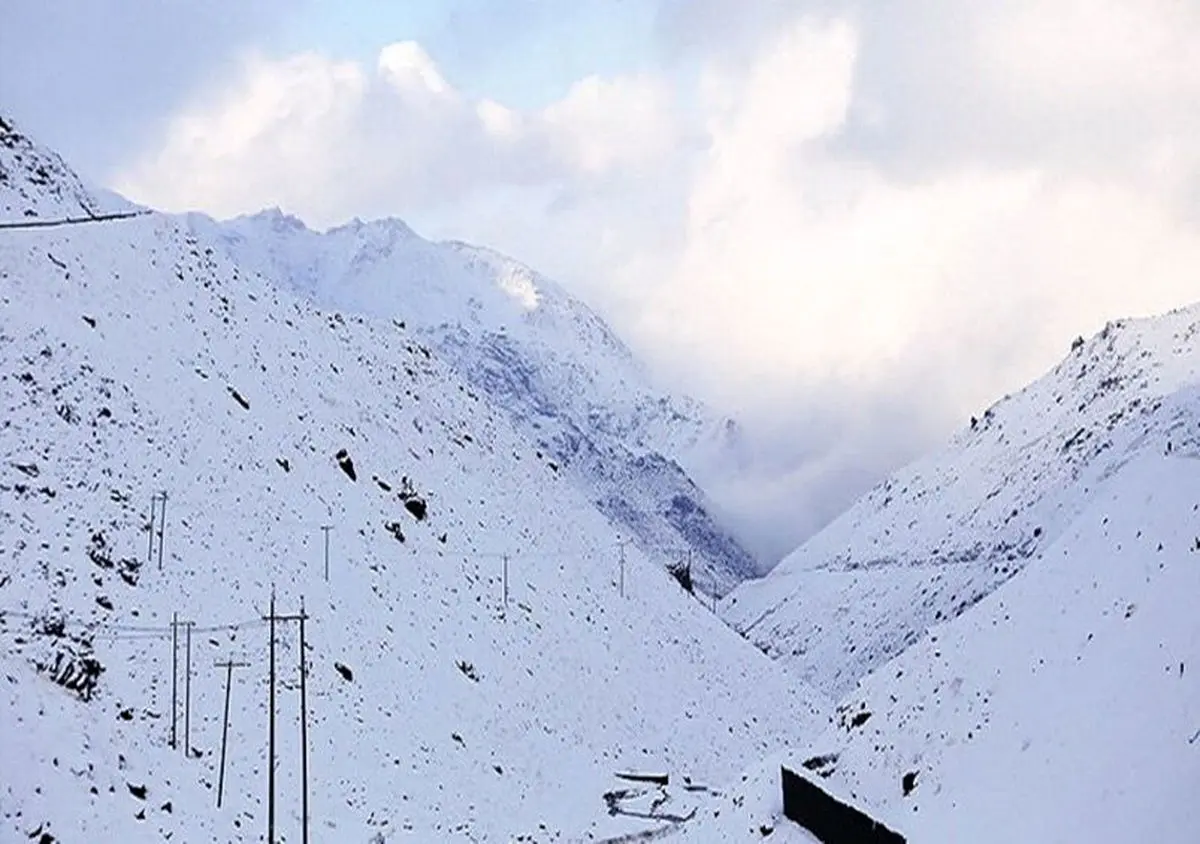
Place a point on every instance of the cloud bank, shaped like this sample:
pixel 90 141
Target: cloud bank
pixel 850 225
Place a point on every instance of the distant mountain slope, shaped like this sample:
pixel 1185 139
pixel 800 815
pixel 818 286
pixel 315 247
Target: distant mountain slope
pixel 565 379
pixel 473 671
pixel 940 534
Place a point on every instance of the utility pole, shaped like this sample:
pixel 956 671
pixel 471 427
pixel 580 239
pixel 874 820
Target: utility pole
pixel 187 694
pixel 153 507
pixel 506 584
pixel 162 523
pixel 303 725
pixel 271 728
pixel 228 666
pixel 272 618
pixel 326 529
pixel 174 673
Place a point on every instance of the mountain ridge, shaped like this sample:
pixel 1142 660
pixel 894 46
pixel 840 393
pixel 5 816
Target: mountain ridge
pixel 957 523
pixel 566 379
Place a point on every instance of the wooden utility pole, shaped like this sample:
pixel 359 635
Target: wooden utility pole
pixel 174 674
pixel 187 694
pixel 271 729
pixel 228 666
pixel 303 725
pixel 272 618
pixel 150 548
pixel 326 529
pixel 162 522
pixel 506 584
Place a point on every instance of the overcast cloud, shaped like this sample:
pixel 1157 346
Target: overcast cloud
pixel 851 225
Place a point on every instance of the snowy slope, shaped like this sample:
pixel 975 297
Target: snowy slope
pixel 1063 707
pixel 942 533
pixel 565 379
pixel 1066 706
pixel 136 357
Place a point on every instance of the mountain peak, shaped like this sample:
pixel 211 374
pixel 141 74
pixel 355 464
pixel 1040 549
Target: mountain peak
pixel 542 355
pixel 36 184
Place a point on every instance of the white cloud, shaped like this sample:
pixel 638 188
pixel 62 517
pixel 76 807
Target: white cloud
pixel 607 123
pixel 408 68
pixel 855 231
pixel 331 140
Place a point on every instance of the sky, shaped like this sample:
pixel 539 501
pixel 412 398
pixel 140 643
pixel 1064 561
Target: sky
pixel 850 225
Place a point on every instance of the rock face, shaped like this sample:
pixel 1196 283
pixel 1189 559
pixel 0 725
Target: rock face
pixel 525 345
pixel 938 536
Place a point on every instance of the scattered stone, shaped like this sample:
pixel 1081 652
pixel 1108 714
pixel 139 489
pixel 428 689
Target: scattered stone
pixel 346 464
pixel 417 507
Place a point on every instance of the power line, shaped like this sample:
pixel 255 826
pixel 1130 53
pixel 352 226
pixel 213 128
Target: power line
pixel 103 629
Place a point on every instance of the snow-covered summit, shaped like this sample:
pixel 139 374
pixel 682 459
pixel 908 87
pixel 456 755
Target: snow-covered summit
pixel 565 378
pixel 937 536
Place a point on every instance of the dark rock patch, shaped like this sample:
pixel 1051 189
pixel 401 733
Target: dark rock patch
pixel 346 464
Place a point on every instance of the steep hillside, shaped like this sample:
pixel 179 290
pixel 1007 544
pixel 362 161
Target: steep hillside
pixel 1063 707
pixel 566 381
pixel 474 671
pixel 944 532
pixel 1066 706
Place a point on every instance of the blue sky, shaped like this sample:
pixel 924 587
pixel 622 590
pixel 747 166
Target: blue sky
pixel 525 53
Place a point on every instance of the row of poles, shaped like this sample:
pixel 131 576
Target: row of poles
pixel 272 618
pixel 158 508
pixel 158 516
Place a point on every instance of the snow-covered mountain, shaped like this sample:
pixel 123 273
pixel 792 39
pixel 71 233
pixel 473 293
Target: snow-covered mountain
pixel 518 338
pixel 1010 623
pixel 1064 707
pixel 483 657
pixel 939 535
